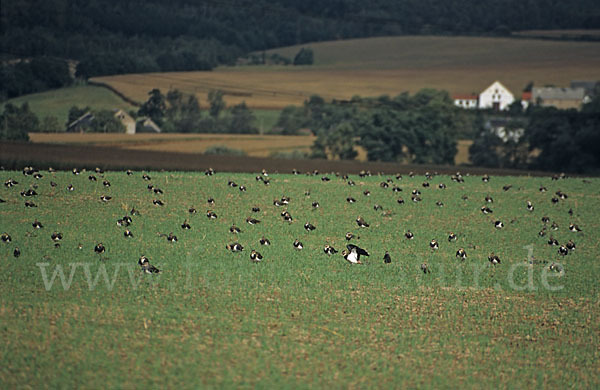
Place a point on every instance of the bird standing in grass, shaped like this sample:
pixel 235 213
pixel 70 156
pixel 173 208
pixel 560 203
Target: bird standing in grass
pixel 329 250
pixel 352 255
pixel 146 266
pixel 387 258
pixel 255 256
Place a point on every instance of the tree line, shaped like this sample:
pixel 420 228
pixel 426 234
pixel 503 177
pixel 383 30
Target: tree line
pixel 132 36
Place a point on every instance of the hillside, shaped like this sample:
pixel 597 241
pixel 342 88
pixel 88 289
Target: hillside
pixel 387 65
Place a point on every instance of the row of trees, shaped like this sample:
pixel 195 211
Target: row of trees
pixel 33 75
pixel 116 36
pixel 423 128
pixel 176 112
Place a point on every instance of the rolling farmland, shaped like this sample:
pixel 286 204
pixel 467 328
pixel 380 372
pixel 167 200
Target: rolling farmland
pixel 298 318
pixel 388 65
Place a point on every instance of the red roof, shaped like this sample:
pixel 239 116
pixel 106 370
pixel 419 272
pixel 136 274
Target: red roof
pixel 526 96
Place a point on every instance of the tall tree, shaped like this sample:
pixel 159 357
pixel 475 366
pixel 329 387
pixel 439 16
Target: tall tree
pixel 155 107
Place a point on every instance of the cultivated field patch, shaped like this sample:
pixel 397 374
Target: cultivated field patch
pixel 298 318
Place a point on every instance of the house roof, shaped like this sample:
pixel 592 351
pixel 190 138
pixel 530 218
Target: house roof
pixel 526 96
pixel 465 97
pixel 554 93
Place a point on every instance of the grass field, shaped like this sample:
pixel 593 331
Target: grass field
pixel 298 318
pixel 388 65
pixel 57 102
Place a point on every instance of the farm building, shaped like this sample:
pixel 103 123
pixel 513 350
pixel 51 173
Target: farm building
pixel 466 101
pixel 496 96
pixel 147 125
pixel 562 98
pixel 80 124
pixel 126 120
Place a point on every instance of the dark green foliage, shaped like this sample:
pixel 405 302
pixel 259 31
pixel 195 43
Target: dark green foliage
pixel 241 120
pixel 304 57
pixel 75 113
pixel 183 115
pixel 217 104
pixel 105 122
pixel 291 120
pixel 16 122
pixel 154 107
pixel 34 75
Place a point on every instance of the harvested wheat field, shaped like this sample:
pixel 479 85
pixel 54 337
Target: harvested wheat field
pixel 387 65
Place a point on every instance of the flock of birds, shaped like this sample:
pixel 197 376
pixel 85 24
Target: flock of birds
pixel 352 253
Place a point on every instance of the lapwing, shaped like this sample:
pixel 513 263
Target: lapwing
pixel 158 191
pixel 529 206
pixel 6 237
pixel 367 193
pixel 287 216
pixel 416 198
pixel 461 253
pixel 234 229
pixel 122 222
pixel 30 204
pixel 309 227
pixel 570 212
pixel 252 221
pixel 98 170
pixel 556 267
pixel 439 203
pixel 563 250
pixel 255 256
pixel 99 248
pixel 70 188
pixel 485 178
pixel 256 209
pixel 387 259
pixel 185 225
pixel 543 189
pixel 486 210
pixel 545 220
pixel 265 241
pixel 329 250
pixel 498 224
pixel 127 233
pixel 350 199
pixel 92 178
pixel 554 200
pixel 325 178
pixel 400 201
pixel 561 195
pixel 295 171
pixel 351 183
pixel 146 177
pixel 209 172
pixel 349 236
pixel 489 199
pixel 278 203
pixel 361 222
pixel 416 192
pixel 451 237
pixel 56 236
pixel 243 188
pixel 150 187
pixel 105 198
pixel 554 226
pixel 433 244
pixel 17 252
pixel 542 232
pixel 158 202
pixel 425 184
pixel 235 247
pixel 377 207
pixel 210 201
pixel 232 184
pixel 171 237
pixel 146 266
pixel 315 205
pixel 441 186
pixel 492 258
pixel 384 184
pixel 574 228
pixel 134 212
pixel 298 245
pixel 106 183
pixel 192 210
pixel 507 187
pixel 409 235
pixel 75 171
pixel 425 268
pixel 553 241
pixel 352 255
pixel 37 224
pixel 2 200
pixel 28 193
pixel 129 172
pixel 570 245
pixel 10 183
pixel 211 215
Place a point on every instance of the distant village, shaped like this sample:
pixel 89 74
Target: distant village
pixel 497 97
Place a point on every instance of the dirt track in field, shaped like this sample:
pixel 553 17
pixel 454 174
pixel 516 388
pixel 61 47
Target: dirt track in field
pixel 15 155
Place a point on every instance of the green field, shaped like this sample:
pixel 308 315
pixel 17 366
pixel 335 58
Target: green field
pixel 57 102
pixel 298 318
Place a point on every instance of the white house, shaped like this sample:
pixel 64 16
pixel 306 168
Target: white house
pixel 126 120
pixel 496 96
pixel 466 101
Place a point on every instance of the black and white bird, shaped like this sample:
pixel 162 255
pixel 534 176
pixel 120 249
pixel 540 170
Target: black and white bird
pixel 433 244
pixel 158 202
pixel 570 245
pixel 192 210
pixel 255 256
pixel 545 219
pixel 498 224
pixel 352 255
pixel 235 247
pixel 30 204
pixel 252 221
pixel 461 253
pixel 387 259
pixel 530 206
pixel 361 222
pixel 265 241
pixel 553 241
pixel 171 237
pixel 185 225
pixel 37 224
pixel 106 183
pixel 350 199
pixel 315 205
pixel 349 236
pixel 309 227
pixel 56 236
pixel 256 209
pixel 17 252
pixel 425 268
pixel 6 237
pixel 146 266
pixel 298 245
pixel 452 237
pixel 127 233
pixel 99 248
pixel 563 250
pixel 211 215
pixel 574 228
pixel 400 201
pixel 486 210
pixel 492 258
pixel 105 198
pixel 234 229
pixel 329 250
pixel 489 199
pixel 409 235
